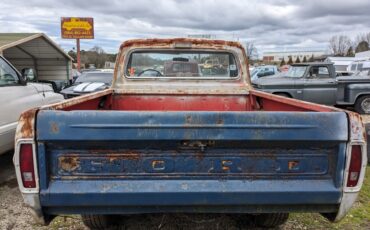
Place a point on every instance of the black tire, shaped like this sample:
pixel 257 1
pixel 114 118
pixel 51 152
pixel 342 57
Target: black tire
pixel 96 222
pixel 271 220
pixel 359 107
pixel 283 94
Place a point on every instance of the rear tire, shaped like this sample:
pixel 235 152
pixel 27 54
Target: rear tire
pixel 97 222
pixel 271 220
pixel 362 105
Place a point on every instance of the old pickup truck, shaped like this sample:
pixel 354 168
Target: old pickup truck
pixel 318 83
pixel 171 137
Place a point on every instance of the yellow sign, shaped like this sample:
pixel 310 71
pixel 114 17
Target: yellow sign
pixel 73 28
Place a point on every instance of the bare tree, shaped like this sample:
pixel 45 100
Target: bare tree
pixel 97 49
pixel 362 37
pixel 251 50
pixel 339 45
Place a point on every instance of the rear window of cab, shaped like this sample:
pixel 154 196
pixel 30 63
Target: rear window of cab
pixel 181 64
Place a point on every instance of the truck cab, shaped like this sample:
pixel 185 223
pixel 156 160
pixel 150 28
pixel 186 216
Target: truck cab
pixel 313 82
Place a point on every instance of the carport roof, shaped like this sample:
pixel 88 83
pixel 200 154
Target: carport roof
pixel 9 40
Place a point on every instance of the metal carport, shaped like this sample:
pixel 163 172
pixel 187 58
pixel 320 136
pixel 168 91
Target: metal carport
pixel 39 52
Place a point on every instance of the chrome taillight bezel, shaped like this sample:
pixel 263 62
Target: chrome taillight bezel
pixel 16 162
pixel 363 166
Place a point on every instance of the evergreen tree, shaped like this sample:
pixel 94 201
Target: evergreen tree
pixel 311 59
pixel 350 52
pixel 304 59
pixel 282 62
pixel 297 60
pixel 362 46
pixel 290 61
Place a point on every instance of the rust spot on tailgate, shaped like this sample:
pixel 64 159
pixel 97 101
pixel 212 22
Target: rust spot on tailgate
pixel 54 127
pixel 25 128
pixel 69 163
pixel 357 128
pixel 131 155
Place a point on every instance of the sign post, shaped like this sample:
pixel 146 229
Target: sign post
pixel 77 28
pixel 78 54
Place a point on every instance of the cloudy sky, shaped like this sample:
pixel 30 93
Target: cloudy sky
pixel 270 24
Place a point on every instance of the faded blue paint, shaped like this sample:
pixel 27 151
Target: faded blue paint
pixel 185 192
pixel 132 162
pixel 125 125
pixel 193 164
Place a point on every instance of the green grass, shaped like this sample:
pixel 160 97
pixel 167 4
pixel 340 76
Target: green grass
pixel 357 218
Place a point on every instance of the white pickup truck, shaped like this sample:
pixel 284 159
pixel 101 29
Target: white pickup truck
pixel 16 96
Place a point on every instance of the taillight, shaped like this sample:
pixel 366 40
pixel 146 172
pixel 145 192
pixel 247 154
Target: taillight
pixel 354 166
pixel 26 165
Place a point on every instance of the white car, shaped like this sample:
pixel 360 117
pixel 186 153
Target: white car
pixel 16 96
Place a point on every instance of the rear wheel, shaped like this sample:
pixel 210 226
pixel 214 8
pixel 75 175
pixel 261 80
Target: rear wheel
pixel 271 220
pixel 362 105
pixel 97 222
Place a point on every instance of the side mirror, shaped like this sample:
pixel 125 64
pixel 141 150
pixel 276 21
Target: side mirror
pixel 28 74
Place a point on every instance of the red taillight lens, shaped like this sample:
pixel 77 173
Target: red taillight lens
pixel 354 166
pixel 26 165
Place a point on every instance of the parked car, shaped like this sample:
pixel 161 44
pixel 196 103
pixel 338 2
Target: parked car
pixel 263 71
pixel 16 96
pixel 89 81
pixel 358 66
pixel 341 64
pixel 75 75
pixel 318 82
pixel 187 143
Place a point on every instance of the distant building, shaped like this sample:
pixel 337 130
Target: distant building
pixel 109 65
pixel 279 56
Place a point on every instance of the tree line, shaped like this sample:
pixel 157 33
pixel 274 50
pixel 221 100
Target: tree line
pixel 96 56
pixel 297 60
pixel 344 46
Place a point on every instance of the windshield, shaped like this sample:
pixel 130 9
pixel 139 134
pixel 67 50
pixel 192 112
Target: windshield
pixel 296 71
pixel 105 77
pixel 7 75
pixel 181 64
pixel 255 71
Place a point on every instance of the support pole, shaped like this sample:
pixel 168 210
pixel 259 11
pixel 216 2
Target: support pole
pixel 78 55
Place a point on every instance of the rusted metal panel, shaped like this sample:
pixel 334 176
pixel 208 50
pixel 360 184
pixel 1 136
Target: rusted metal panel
pixel 121 84
pixel 186 164
pixel 191 125
pixel 277 103
pixel 26 123
pixel 181 102
pixel 357 128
